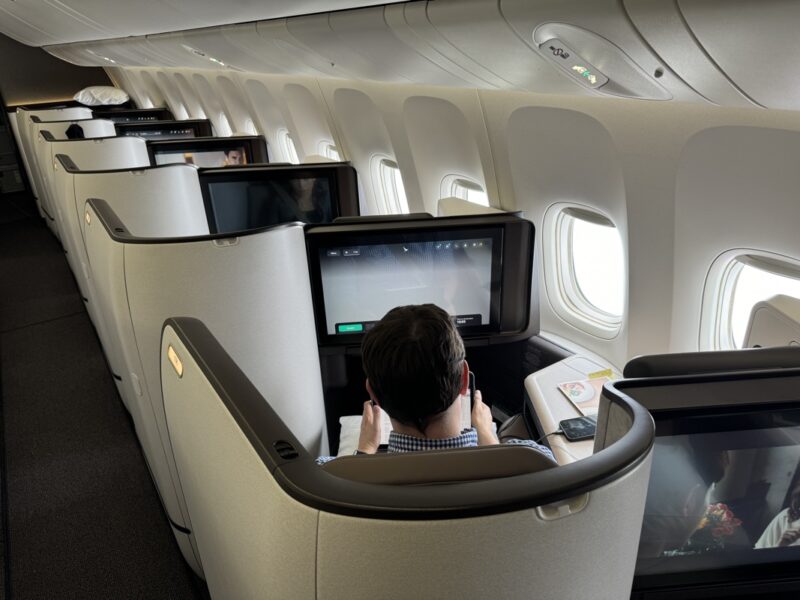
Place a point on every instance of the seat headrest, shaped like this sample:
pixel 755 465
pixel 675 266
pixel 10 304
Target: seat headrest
pixel 440 466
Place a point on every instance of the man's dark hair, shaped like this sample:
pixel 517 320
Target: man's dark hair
pixel 413 359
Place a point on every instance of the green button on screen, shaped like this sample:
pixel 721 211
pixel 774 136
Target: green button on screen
pixel 349 328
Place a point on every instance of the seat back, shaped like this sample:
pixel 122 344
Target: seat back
pixel 441 466
pixel 162 202
pixel 266 517
pixel 86 154
pixel 254 288
pixel 25 121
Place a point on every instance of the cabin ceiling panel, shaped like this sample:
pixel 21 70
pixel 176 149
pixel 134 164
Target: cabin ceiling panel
pixel 239 47
pixel 416 15
pixel 649 49
pixel 315 32
pixel 368 33
pixel 479 30
pixel 44 22
pixel 663 26
pixel 296 57
pixel 754 43
pixel 600 32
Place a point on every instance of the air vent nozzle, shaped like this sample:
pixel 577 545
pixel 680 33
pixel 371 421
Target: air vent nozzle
pixel 285 450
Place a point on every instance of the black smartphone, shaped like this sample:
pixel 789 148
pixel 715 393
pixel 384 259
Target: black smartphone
pixel 466 402
pixel 471 386
pixel 579 428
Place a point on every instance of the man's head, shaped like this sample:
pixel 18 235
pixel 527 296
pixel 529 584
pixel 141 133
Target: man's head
pixel 234 157
pixel 414 362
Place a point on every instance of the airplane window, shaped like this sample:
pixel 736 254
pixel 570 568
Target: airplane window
pixel 329 150
pixel 250 127
pixel 287 144
pixel 586 283
pixel 754 285
pixel 391 186
pixel 466 190
pixel 224 126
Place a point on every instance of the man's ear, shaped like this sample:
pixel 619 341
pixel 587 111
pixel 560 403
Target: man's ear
pixel 371 393
pixel 464 378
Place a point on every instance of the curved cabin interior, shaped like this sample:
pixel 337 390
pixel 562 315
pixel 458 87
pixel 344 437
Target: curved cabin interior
pixel 205 207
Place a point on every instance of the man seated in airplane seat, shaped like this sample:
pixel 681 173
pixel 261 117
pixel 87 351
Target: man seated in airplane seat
pixel 414 360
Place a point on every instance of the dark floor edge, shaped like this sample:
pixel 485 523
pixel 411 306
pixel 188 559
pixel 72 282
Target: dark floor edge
pixel 35 323
pixel 4 495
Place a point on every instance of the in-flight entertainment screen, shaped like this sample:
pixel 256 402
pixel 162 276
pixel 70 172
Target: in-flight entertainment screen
pixel 233 156
pixel 170 133
pixel 129 118
pixel 458 271
pixel 243 205
pixel 724 492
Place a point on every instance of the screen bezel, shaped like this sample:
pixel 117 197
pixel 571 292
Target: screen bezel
pixel 705 395
pixel 398 237
pixel 255 147
pixel 200 127
pixel 133 115
pixel 518 308
pixel 341 181
pixel 681 421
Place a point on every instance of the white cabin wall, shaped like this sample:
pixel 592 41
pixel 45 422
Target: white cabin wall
pixel 619 157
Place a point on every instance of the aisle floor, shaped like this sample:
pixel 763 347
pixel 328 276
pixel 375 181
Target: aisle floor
pixel 81 516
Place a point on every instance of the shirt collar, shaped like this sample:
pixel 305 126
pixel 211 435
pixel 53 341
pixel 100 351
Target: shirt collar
pixel 400 442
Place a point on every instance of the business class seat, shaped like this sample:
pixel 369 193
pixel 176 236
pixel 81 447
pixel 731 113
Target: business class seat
pixel 157 202
pixel 43 161
pixel 87 154
pixel 270 523
pixel 253 288
pixel 25 120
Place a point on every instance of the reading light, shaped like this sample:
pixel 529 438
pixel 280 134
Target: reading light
pixel 177 364
pixel 571 62
pixel 88 218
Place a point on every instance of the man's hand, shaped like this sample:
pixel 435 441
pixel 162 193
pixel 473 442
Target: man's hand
pixel 370 437
pixel 482 421
pixel 789 537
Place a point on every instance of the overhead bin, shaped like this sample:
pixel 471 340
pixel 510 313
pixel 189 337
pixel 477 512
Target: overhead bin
pixel 440 43
pixel 238 46
pixel 266 516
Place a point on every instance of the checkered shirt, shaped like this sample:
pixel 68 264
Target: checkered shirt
pixel 468 438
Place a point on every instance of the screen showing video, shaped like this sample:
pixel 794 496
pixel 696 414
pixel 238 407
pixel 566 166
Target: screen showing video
pixel 176 133
pixel 724 492
pixel 362 282
pixel 243 205
pixel 204 158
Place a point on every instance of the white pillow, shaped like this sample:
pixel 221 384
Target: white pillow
pixel 98 95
